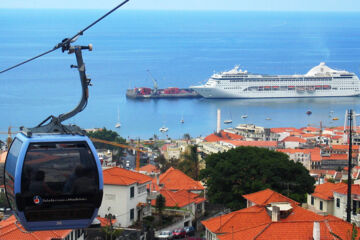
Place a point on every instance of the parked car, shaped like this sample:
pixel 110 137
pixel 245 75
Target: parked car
pixel 165 235
pixel 190 230
pixel 179 233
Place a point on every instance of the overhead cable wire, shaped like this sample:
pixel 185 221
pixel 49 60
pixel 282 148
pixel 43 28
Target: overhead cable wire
pixel 65 43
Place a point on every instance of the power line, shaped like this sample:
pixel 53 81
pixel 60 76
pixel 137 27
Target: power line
pixel 64 44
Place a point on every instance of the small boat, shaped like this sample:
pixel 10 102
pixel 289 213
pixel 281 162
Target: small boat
pixel 163 129
pixel 118 124
pixel 244 116
pixel 335 118
pixel 182 118
pixel 228 121
pixel 267 118
pixel 308 112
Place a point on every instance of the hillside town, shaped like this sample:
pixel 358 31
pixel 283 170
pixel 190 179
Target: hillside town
pixel 131 206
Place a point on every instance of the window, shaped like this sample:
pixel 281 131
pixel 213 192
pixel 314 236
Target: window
pixel 312 200
pixel 321 205
pixel 132 214
pixel 338 202
pixel 355 206
pixel 132 192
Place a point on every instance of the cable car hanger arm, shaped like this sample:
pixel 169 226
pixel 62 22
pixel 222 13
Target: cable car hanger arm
pixel 55 126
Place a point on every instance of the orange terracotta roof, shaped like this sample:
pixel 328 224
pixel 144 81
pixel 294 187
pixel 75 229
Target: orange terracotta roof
pixel 212 138
pixel 255 223
pixel 355 189
pixel 175 180
pixel 293 231
pixel 120 176
pixel 105 221
pixel 281 130
pixel 252 143
pixel 294 139
pixel 336 137
pixel 268 196
pixel 149 168
pixel 180 198
pixel 241 219
pixel 335 157
pixel 9 231
pixel 310 129
pixel 326 191
pixel 255 216
pixel 223 136
pixel 344 147
pixel 315 155
pixel 308 135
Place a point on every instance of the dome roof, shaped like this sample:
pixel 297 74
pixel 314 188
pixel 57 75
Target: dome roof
pixel 320 69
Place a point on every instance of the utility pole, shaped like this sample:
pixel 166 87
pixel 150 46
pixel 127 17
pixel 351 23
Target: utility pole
pixel 348 205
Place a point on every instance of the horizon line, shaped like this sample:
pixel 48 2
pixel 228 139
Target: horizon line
pixel 190 10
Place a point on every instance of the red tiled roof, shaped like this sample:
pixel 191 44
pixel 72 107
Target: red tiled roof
pixel 9 231
pixel 336 137
pixel 326 191
pixel 335 157
pixel 175 180
pixel 294 139
pixel 180 198
pixel 344 147
pixel 310 129
pixel 293 230
pixel 252 143
pixel 308 135
pixel 268 196
pixel 120 176
pixel 281 130
pixel 355 189
pixel 223 136
pixel 255 223
pixel 149 168
pixel 105 221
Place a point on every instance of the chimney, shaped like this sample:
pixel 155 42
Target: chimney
pixel 157 179
pixel 316 231
pixel 218 125
pixel 275 214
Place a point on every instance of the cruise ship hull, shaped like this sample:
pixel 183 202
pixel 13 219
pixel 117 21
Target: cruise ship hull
pixel 320 81
pixel 221 93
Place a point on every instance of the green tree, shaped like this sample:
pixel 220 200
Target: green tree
pixel 244 170
pixel 166 164
pixel 187 136
pixel 190 163
pixel 160 204
pixel 108 135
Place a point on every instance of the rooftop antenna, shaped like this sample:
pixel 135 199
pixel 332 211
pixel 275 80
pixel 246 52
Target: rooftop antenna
pixel 350 116
pixel 55 126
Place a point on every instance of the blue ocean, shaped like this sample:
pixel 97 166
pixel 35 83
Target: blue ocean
pixel 180 48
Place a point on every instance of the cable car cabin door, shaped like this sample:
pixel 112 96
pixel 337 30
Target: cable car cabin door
pixel 58 184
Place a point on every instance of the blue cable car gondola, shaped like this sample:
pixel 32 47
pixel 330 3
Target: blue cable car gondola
pixel 53 177
pixel 53 181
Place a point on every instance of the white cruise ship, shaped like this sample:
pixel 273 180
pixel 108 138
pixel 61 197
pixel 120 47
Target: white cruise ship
pixel 320 81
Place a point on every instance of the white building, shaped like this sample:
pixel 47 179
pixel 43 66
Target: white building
pixel 125 196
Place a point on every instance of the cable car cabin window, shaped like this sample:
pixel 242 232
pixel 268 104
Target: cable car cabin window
pixel 10 167
pixel 63 177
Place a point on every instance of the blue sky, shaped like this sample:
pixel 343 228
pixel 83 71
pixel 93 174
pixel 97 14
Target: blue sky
pixel 252 5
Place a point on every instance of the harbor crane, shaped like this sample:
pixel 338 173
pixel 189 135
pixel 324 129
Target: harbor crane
pixel 154 81
pixel 137 149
